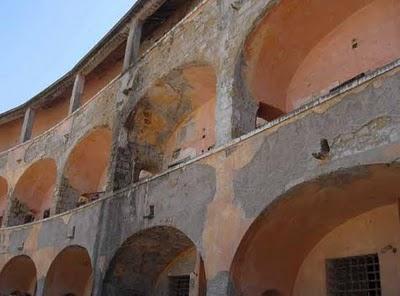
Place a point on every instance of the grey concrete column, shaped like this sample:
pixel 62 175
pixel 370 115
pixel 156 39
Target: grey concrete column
pixel 133 44
pixel 77 92
pixel 26 131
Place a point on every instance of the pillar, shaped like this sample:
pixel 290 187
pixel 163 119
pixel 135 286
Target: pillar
pixel 26 131
pixel 235 111
pixel 133 44
pixel 77 92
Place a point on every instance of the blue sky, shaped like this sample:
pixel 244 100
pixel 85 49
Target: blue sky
pixel 40 40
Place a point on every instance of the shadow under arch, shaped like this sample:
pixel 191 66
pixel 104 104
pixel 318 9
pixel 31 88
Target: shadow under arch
pixel 175 119
pixel 85 172
pixel 276 244
pixel 299 50
pixel 33 193
pixel 154 261
pixel 18 275
pixel 70 272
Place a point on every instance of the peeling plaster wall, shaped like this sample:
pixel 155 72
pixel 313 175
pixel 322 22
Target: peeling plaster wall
pixel 215 199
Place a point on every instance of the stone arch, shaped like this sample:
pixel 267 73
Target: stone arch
pixel 70 272
pixel 33 193
pixel 3 198
pixel 150 261
pixel 175 120
pixel 85 172
pixel 304 49
pixel 19 274
pixel 277 244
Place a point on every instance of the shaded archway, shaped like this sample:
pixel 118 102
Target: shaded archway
pixel 275 247
pixel 175 120
pixel 71 272
pixel 33 194
pixel 153 262
pixel 85 173
pixel 301 49
pixel 3 198
pixel 19 274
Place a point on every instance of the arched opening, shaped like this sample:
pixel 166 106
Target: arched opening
pixel 3 198
pixel 175 120
pixel 304 49
pixel 18 275
pixel 70 273
pixel 85 173
pixel 305 242
pixel 33 193
pixel 158 261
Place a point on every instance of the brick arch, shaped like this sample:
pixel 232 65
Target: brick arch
pixel 302 49
pixel 19 274
pixel 276 244
pixel 70 272
pixel 143 263
pixel 33 193
pixel 86 169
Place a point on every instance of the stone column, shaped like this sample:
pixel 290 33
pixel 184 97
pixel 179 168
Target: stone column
pixel 235 110
pixel 77 91
pixel 26 131
pixel 133 44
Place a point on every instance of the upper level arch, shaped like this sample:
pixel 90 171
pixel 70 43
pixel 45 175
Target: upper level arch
pixel 85 172
pixel 175 120
pixel 70 273
pixel 18 276
pixel 33 194
pixel 302 49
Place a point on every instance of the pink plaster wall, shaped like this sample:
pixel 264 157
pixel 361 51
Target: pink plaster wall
pixel 46 118
pixel 10 133
pixel 376 29
pixel 368 233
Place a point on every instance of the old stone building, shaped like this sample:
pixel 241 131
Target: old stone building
pixel 214 147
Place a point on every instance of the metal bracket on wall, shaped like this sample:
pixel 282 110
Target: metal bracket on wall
pixel 151 214
pixel 71 232
pixel 21 246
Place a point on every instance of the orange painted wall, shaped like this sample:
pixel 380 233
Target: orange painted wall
pixel 46 118
pixel 70 272
pixel 303 47
pixel 88 162
pixel 10 133
pixel 97 80
pixel 35 187
pixel 375 28
pixel 18 274
pixel 368 233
